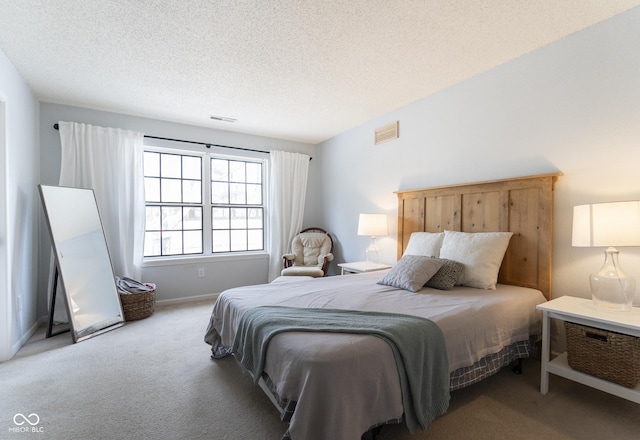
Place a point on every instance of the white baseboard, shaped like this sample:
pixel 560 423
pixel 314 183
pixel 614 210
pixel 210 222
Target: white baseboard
pixel 23 340
pixel 188 299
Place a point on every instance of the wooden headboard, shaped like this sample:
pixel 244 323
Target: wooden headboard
pixel 523 206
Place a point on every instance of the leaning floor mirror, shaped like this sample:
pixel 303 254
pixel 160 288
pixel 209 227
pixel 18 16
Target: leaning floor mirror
pixel 82 264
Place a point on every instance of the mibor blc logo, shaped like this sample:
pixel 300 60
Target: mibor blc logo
pixel 26 423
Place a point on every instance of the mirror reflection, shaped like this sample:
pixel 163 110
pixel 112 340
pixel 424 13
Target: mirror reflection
pixel 82 259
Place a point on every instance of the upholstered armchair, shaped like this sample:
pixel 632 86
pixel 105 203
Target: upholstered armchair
pixel 311 253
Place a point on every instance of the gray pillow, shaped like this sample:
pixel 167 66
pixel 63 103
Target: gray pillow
pixel 449 274
pixel 411 272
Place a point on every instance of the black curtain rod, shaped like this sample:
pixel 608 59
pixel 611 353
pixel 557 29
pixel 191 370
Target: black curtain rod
pixel 208 145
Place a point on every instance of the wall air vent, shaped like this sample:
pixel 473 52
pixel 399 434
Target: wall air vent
pixel 387 133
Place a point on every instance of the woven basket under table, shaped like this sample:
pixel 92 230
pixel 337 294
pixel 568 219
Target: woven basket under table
pixel 608 355
pixel 138 305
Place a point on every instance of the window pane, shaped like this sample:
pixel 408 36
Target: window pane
pixel 220 218
pixel 172 243
pixel 238 218
pixel 175 206
pixel 193 242
pixel 172 218
pixel 192 218
pixel 254 194
pixel 192 192
pixel 152 218
pixel 171 191
pixel 191 167
pixel 254 172
pixel 151 164
pixel 170 165
pixel 152 189
pixel 255 242
pixel 152 246
pixel 239 240
pixel 219 192
pixel 236 171
pixel 237 194
pixel 220 241
pixel 219 169
pixel 254 219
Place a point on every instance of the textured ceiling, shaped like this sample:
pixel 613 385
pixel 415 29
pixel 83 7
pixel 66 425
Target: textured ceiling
pixel 303 70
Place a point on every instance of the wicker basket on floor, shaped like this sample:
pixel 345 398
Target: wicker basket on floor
pixel 138 305
pixel 608 355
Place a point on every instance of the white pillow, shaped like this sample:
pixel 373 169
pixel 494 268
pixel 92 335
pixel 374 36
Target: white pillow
pixel 480 252
pixel 424 243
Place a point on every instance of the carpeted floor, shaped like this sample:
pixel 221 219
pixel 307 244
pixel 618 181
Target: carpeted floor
pixel 153 379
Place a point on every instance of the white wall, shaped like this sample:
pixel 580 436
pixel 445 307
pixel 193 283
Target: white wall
pixel 175 281
pixel 19 175
pixel 573 107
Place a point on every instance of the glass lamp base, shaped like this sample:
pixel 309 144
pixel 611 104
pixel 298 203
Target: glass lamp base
pixel 371 253
pixel 611 288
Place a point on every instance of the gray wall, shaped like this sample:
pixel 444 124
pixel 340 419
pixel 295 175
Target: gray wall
pixel 176 280
pixel 573 107
pixel 19 209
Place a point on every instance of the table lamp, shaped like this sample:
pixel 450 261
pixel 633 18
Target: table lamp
pixel 609 225
pixel 373 225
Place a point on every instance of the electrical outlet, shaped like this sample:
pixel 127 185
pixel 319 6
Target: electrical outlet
pixel 200 272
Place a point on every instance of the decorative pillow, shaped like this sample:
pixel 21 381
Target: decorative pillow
pixel 411 272
pixel 447 276
pixel 480 252
pixel 424 243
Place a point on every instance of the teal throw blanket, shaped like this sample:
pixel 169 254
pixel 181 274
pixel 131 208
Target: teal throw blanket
pixel 417 343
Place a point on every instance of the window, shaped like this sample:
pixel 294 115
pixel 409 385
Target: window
pixel 236 205
pixel 202 204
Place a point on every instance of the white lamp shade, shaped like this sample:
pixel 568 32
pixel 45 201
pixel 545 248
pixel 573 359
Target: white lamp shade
pixel 373 225
pixel 606 224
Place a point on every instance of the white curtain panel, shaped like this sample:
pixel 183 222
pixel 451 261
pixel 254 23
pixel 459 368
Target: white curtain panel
pixel 110 161
pixel 287 191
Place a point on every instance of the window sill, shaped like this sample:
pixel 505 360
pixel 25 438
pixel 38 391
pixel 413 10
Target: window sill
pixel 181 261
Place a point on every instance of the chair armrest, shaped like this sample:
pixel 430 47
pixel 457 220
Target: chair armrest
pixel 287 260
pixel 327 257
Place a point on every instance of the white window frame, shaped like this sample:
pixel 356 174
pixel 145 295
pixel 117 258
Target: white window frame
pixel 208 254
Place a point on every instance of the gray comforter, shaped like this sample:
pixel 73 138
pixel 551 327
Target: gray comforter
pixel 417 344
pixel 339 384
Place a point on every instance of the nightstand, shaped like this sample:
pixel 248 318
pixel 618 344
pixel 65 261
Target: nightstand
pixel 361 266
pixel 582 311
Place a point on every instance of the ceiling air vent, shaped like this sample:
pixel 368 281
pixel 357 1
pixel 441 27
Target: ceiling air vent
pixel 387 133
pixel 222 118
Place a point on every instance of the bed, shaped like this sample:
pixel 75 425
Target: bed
pixel 343 384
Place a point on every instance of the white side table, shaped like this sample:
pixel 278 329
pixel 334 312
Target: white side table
pixel 361 266
pixel 582 311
